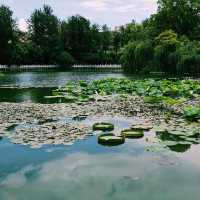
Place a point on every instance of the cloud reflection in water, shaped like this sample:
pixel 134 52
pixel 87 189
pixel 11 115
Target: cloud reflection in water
pixel 97 177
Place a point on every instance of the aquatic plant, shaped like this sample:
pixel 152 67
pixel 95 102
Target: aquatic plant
pixel 103 127
pixel 179 140
pixel 142 127
pixel 160 89
pixel 130 133
pixel 158 92
pixel 192 113
pixel 110 140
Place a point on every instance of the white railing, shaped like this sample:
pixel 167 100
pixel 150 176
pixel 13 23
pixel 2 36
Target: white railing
pixel 27 67
pixel 98 66
pixel 3 66
pixel 41 67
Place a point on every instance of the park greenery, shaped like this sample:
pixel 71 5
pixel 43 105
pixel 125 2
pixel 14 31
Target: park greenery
pixel 167 41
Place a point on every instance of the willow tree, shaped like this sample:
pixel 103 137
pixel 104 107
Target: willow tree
pixel 165 51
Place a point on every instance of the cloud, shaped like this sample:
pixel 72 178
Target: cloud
pixel 102 176
pixel 118 12
pixel 120 5
pixel 75 167
pixel 99 5
pixel 111 12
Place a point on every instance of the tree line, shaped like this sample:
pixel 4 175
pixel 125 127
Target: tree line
pixel 168 41
pixel 52 41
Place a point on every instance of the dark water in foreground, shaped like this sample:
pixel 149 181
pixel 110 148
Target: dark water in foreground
pixel 87 170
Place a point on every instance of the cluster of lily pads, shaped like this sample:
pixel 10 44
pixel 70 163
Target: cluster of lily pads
pixel 178 141
pixel 146 87
pixel 110 139
pixel 192 113
pixel 169 92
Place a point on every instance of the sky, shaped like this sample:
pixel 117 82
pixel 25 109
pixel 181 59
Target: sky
pixel 111 12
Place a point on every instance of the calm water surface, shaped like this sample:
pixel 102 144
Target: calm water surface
pixel 87 170
pixel 33 86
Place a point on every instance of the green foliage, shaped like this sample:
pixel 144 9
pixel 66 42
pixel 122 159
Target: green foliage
pixel 103 127
pixel 110 140
pixel 188 57
pixel 143 54
pixel 153 99
pixel 165 56
pixel 167 38
pixel 132 32
pixel 167 41
pixel 136 56
pixel 44 34
pixel 116 41
pixel 174 21
pixel 75 34
pixel 64 59
pixel 180 16
pixel 86 42
pixel 169 54
pixel 154 91
pixel 7 34
pixel 132 134
pixel 105 38
pixel 128 57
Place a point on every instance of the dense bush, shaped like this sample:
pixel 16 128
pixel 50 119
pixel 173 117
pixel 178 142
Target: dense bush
pixel 64 59
pixel 143 54
pixel 136 56
pixel 165 51
pixel 169 53
pixel 128 57
pixel 189 57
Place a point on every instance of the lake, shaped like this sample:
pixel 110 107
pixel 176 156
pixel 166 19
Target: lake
pixel 87 170
pixel 33 86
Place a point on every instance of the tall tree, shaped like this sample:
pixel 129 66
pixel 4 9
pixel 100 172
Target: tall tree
pixel 45 35
pixel 7 34
pixel 106 37
pixel 132 32
pixel 165 51
pixel 95 38
pixel 76 35
pixel 182 16
pixel 116 41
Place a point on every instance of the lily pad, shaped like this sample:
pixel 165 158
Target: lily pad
pixel 110 140
pixel 54 97
pixel 192 113
pixel 103 127
pixel 70 99
pixel 180 148
pixel 169 143
pixel 83 83
pixel 153 100
pixel 130 133
pixel 80 117
pixel 141 127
